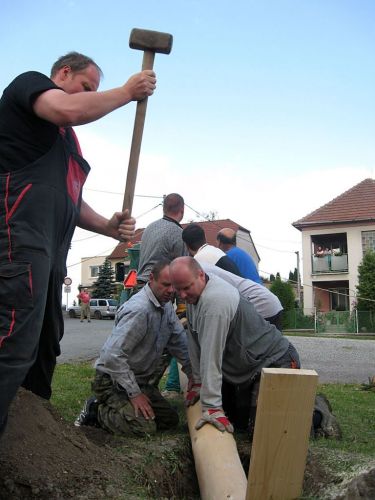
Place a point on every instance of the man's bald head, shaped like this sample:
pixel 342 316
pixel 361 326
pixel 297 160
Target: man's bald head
pixel 226 238
pixel 188 278
pixel 186 263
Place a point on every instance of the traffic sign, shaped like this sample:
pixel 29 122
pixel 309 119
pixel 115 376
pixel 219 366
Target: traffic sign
pixel 67 289
pixel 67 281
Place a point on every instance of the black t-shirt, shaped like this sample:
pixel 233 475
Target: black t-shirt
pixel 228 265
pixel 24 137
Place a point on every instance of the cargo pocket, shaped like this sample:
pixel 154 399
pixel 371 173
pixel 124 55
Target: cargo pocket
pixel 16 285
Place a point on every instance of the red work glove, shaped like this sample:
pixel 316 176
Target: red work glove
pixel 216 417
pixel 193 394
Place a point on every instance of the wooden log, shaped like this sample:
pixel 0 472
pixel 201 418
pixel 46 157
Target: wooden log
pixel 281 435
pixel 217 464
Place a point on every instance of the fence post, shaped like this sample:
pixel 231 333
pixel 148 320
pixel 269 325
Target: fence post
pixel 315 321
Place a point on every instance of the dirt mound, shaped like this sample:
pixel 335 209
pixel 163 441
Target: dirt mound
pixel 43 457
pixel 361 487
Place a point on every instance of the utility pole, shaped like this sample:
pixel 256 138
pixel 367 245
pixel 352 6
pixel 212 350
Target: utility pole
pixel 298 281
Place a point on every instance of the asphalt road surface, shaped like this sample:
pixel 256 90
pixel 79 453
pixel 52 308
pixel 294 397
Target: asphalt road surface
pixel 335 360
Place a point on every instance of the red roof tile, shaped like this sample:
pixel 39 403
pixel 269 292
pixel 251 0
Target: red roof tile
pixel 355 205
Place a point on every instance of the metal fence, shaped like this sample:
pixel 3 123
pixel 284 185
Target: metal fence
pixel 295 319
pixel 340 322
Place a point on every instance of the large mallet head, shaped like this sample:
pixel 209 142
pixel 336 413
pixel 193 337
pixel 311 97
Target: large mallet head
pixel 153 41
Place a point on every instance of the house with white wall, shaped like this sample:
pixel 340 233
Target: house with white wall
pixel 334 240
pixel 90 267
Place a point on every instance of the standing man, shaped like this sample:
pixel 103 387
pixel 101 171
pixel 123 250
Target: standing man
pixel 42 173
pixel 84 298
pixel 196 243
pixel 127 402
pixel 162 238
pixel 227 243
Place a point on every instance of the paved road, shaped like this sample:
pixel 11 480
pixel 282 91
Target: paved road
pixel 335 360
pixel 83 341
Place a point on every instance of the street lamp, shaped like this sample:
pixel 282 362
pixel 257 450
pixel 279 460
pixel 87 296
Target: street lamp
pixel 298 281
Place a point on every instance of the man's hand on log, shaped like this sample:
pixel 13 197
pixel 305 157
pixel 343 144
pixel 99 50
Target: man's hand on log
pixel 216 417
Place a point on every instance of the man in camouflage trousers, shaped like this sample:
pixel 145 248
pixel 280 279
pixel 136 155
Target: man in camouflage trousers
pixel 126 402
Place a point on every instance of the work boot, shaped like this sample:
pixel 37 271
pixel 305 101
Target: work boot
pixel 89 413
pixel 328 426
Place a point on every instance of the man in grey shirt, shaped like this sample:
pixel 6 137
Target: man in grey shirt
pixel 162 238
pixel 127 403
pixel 229 344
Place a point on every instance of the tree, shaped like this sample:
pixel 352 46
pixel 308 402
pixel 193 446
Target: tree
pixel 366 282
pixel 284 291
pixel 272 277
pixel 210 216
pixel 293 276
pixel 105 285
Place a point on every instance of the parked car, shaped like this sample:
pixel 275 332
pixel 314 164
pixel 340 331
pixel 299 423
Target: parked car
pixel 100 308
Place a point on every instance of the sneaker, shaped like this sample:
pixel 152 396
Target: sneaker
pixel 89 412
pixel 329 426
pixel 170 394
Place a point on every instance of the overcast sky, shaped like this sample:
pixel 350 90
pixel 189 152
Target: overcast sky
pixel 264 110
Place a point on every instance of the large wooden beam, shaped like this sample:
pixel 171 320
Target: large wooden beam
pixel 281 435
pixel 218 466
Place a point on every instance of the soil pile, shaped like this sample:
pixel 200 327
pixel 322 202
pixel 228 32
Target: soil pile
pixel 44 457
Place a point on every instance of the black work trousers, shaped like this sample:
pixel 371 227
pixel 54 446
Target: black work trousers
pixel 39 208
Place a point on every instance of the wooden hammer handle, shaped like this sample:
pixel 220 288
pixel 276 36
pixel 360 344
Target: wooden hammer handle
pixel 135 149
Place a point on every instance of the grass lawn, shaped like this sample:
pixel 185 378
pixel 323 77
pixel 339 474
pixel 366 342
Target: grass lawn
pixel 71 386
pixel 354 408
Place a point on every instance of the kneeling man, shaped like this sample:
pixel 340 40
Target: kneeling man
pixel 126 402
pixel 229 344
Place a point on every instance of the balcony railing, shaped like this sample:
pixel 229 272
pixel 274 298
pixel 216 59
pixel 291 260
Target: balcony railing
pixel 330 264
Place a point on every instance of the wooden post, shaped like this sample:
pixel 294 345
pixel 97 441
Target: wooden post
pixel 218 466
pixel 281 435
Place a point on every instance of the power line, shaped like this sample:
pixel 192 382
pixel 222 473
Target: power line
pixel 137 217
pixel 239 236
pixel 331 290
pixel 122 193
pixel 355 297
pixel 207 219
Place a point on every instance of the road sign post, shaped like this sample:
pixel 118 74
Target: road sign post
pixel 67 289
